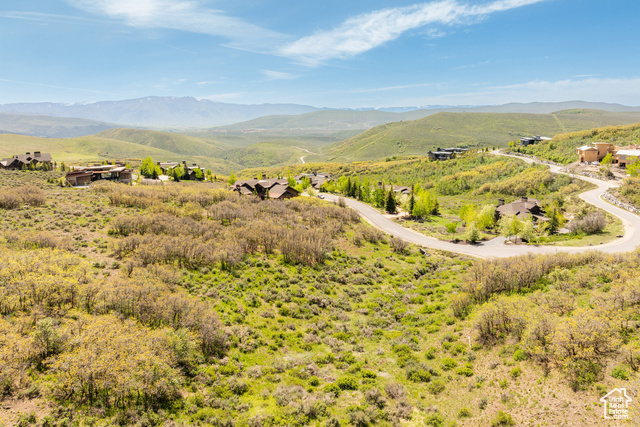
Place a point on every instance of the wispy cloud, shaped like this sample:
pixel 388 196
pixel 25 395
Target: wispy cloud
pixel 365 32
pixel 184 16
pixel 278 75
pixel 47 18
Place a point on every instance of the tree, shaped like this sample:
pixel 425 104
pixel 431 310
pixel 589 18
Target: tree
pixel 509 226
pixel 177 173
pixel 412 203
pixel 390 203
pixel 472 235
pixel 232 179
pixel 555 222
pixel 527 232
pixel 487 217
pixel 147 168
pixel 633 168
pixel 451 227
pixel 199 174
pixel 468 213
pixel 607 160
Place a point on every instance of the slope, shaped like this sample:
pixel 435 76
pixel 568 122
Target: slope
pixel 467 130
pixel 50 127
pixel 173 142
pixel 329 120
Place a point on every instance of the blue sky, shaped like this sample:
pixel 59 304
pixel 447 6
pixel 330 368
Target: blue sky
pixel 331 53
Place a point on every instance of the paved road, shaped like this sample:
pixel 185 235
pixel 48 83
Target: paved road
pixel 628 243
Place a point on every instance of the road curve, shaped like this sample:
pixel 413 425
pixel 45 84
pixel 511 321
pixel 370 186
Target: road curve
pixel 627 243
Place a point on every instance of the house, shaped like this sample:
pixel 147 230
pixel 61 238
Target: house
pixel 37 160
pixel 530 140
pixel 588 154
pixel 445 153
pixel 621 156
pixel 317 179
pixel 402 190
pixel 278 189
pixel 84 175
pixel 626 157
pixel 522 208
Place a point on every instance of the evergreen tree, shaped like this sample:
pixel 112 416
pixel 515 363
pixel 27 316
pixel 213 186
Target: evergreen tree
pixel 390 204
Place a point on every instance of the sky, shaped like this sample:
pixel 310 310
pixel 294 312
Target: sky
pixel 329 53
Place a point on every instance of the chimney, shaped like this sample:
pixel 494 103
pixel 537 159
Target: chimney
pixel 264 176
pixel 28 153
pixel 36 153
pixel 500 202
pixel 524 199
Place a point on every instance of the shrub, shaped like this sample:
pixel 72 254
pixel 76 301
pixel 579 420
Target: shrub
pixel 502 419
pixel 436 387
pixel 434 420
pixel 332 388
pixel 520 355
pixel 395 391
pixel 347 382
pixel 466 370
pixel 516 372
pixel 620 372
pixel 464 413
pixel 591 223
pixel 448 363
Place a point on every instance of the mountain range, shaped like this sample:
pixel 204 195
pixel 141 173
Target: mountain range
pixel 172 113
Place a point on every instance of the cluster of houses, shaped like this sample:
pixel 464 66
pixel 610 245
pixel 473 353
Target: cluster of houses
pixel 621 156
pixel 445 153
pixel 277 188
pixel 37 160
pixel 85 175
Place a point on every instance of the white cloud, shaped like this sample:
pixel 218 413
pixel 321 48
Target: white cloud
pixel 278 75
pixel 624 91
pixel 184 16
pixel 365 32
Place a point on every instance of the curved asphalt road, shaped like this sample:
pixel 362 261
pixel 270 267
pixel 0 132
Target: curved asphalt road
pixel 627 243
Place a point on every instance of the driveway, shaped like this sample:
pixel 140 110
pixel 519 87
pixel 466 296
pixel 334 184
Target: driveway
pixel 627 243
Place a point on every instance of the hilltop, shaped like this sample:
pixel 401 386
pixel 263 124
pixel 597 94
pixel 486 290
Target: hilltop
pixel 467 130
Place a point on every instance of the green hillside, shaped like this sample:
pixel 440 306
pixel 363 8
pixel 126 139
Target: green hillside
pixel 467 130
pixel 269 153
pixel 173 142
pixel 328 120
pixel 95 148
